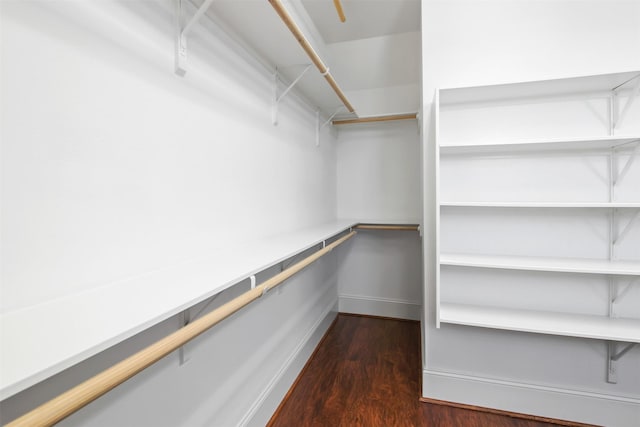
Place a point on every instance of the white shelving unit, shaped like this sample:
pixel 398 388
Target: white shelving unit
pixel 540 181
pixel 89 318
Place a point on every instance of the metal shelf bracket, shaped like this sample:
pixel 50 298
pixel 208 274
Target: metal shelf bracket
pixel 320 126
pixel 621 235
pixel 627 165
pixel 613 355
pixel 187 318
pixel 278 98
pixel 618 118
pixel 182 30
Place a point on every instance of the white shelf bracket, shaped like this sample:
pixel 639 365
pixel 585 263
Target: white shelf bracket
pixel 182 31
pixel 612 358
pixel 627 106
pixel 188 318
pixel 278 98
pixel 320 126
pixel 627 165
pixel 620 237
pixel 617 296
pixel 182 354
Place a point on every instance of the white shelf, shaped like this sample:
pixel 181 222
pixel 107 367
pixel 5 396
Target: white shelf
pixel 566 265
pixel 634 205
pixel 40 341
pixel 564 144
pixel 536 89
pixel 542 322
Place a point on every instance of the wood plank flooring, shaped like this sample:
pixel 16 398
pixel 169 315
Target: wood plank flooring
pixel 366 372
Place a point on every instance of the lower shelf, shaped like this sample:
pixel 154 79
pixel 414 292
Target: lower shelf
pixel 542 322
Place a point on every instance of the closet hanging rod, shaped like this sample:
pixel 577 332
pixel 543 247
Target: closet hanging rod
pixel 376 119
pixel 81 395
pixel 306 46
pixel 405 227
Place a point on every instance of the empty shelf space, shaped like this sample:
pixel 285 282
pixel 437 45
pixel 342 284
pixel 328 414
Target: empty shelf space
pixel 564 144
pixel 566 265
pixel 78 326
pixel 542 322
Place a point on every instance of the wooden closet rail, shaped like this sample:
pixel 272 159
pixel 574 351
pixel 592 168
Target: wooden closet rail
pixel 376 119
pixel 387 227
pixel 297 33
pixel 81 395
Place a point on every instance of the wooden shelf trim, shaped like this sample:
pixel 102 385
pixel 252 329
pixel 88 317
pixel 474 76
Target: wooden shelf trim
pixel 373 119
pixel 76 398
pixel 408 227
pixel 310 51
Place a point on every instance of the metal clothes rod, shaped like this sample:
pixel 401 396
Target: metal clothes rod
pixel 81 395
pixel 297 33
pixel 387 227
pixel 376 119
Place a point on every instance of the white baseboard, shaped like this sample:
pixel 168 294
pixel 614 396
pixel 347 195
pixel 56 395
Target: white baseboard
pixel 385 307
pixel 264 407
pixel 532 399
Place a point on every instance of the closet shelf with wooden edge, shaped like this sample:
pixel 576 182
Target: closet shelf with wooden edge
pixel 24 331
pixel 147 299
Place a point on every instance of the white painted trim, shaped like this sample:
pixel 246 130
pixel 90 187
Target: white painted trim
pixel 263 408
pixel 374 306
pixel 532 399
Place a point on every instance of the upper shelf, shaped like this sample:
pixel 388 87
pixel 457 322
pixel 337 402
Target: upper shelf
pixel 543 88
pixel 564 144
pixel 78 326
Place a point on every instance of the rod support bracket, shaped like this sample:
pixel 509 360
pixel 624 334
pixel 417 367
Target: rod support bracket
pixel 279 98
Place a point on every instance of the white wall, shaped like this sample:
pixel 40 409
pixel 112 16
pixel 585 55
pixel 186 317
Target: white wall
pixel 468 43
pixel 378 170
pixel 380 73
pixel 378 182
pixel 113 166
pixel 381 274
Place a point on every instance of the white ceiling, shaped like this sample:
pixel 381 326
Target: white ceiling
pixel 365 18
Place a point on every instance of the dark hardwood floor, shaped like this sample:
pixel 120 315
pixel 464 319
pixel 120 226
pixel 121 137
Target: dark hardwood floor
pixel 366 372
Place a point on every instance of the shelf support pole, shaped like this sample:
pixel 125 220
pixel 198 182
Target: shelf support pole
pixel 183 31
pixel 274 116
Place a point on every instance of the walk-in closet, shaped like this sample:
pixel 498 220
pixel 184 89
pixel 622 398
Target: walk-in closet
pixel 319 212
